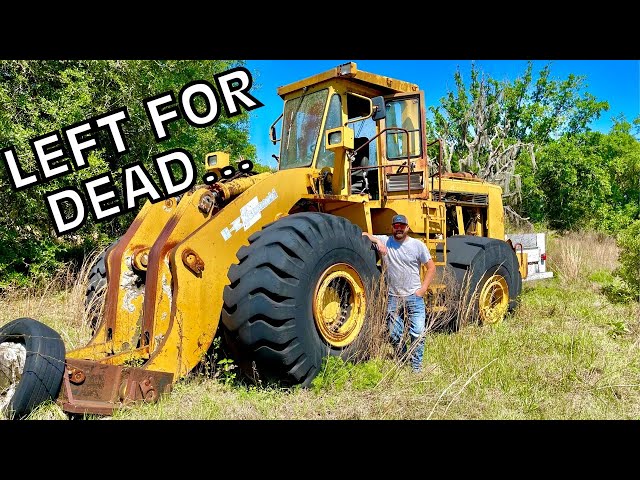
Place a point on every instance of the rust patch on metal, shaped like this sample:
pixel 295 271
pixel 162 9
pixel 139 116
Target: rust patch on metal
pixel 141 258
pixel 192 261
pixel 113 261
pixel 157 254
pixel 76 376
pixel 207 201
pixel 107 387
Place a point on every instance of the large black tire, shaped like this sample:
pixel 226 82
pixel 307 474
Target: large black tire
pixel 96 289
pixel 483 267
pixel 269 317
pixel 43 367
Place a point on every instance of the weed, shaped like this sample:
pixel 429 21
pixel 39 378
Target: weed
pixel 225 370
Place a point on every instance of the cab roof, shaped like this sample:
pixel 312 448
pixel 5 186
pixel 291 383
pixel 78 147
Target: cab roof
pixel 350 70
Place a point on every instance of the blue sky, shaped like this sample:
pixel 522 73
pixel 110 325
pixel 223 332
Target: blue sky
pixel 614 81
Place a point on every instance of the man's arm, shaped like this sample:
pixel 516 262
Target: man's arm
pixel 381 247
pixel 431 271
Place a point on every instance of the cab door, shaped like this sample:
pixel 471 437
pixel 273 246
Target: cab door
pixel 403 145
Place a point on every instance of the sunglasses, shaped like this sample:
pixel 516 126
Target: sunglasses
pixel 398 225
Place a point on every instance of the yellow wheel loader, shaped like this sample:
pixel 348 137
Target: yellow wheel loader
pixel 274 262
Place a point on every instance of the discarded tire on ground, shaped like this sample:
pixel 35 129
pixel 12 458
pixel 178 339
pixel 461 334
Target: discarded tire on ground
pixel 487 275
pixel 32 359
pixel 298 294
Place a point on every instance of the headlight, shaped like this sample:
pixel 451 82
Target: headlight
pixel 335 137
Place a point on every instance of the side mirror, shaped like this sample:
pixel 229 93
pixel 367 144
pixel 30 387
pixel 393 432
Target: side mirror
pixel 272 131
pixel 379 108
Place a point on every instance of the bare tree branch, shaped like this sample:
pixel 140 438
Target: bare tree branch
pixel 490 150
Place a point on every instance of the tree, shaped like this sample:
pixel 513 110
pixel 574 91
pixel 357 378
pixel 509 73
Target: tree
pixel 620 153
pixel 38 97
pixel 490 127
pixel 629 270
pixel 574 180
pixel 588 180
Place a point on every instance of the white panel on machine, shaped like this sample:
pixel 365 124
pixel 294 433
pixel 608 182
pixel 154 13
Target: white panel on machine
pixel 534 245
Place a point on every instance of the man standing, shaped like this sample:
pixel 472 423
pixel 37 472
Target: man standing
pixel 403 257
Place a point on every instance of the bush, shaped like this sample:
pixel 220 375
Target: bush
pixel 629 270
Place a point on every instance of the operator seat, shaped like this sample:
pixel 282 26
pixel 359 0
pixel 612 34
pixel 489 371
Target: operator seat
pixel 359 178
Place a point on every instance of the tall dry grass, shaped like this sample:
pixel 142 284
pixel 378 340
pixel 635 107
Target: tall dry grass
pixel 59 303
pixel 575 255
pixel 455 310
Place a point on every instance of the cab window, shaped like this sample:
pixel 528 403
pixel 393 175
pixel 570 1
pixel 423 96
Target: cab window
pixel 326 157
pixel 300 129
pixel 403 113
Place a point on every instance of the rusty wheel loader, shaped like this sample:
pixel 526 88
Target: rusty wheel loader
pixel 274 262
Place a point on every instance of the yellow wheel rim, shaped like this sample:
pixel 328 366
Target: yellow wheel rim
pixel 494 300
pixel 339 305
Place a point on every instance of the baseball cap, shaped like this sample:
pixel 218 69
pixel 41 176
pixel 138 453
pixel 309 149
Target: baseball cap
pixel 399 219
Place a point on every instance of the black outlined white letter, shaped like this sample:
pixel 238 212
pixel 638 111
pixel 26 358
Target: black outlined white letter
pixel 241 80
pixel 17 180
pixel 206 90
pixel 62 224
pixel 76 148
pixel 151 105
pixel 38 145
pixel 163 164
pixel 96 199
pixel 137 171
pixel 113 120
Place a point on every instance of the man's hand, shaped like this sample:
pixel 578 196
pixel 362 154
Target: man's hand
pixel 381 247
pixel 431 271
pixel 376 243
pixel 421 291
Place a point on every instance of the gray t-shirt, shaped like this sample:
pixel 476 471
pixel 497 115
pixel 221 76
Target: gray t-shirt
pixel 403 261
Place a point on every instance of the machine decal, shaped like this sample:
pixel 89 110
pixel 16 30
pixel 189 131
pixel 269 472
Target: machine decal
pixel 249 214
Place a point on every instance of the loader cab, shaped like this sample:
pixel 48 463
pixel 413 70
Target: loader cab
pixel 366 130
pixel 307 119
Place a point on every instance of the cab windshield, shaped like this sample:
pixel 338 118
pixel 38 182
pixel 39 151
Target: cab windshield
pixel 300 129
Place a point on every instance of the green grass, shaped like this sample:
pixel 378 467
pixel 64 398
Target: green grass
pixel 554 358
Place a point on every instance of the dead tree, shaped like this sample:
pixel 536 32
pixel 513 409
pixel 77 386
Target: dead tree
pixel 489 148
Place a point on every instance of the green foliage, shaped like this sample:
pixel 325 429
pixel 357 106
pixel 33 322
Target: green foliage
pixel 337 373
pixel 529 111
pixel 602 277
pixel 618 291
pixel 367 375
pixel 629 271
pixel 573 180
pixel 333 374
pixel 38 97
pixel 215 364
pixel 620 152
pixel 262 168
pixel 618 328
pixel 587 180
pixel 225 370
pixel 533 200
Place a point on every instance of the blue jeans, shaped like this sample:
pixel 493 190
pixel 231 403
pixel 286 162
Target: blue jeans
pixel 411 309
